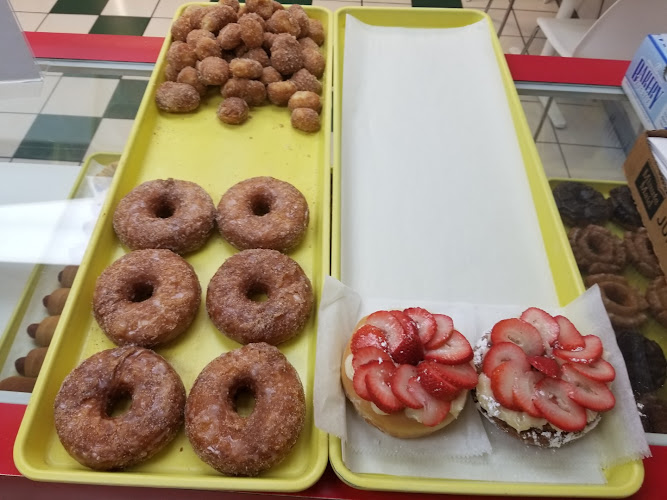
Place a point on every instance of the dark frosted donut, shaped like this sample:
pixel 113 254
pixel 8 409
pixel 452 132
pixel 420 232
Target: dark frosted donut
pixel 172 214
pixel 84 408
pixel 597 250
pixel 146 298
pixel 234 293
pixel 640 253
pixel 623 209
pixel 263 212
pixel 644 359
pixel 624 304
pixel 580 205
pixel 245 445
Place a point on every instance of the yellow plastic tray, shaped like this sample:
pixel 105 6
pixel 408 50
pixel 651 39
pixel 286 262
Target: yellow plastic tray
pixel 199 148
pixel 622 480
pixel 652 329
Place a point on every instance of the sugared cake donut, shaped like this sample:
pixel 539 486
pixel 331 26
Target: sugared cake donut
pixel 625 305
pixel 146 298
pixel 245 445
pixel 234 304
pixel 580 205
pixel 263 212
pixel 85 407
pixel 640 253
pixel 656 296
pixel 407 372
pixel 540 380
pixel 597 250
pixel 172 214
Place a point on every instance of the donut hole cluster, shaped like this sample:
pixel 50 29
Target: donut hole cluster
pixel 254 53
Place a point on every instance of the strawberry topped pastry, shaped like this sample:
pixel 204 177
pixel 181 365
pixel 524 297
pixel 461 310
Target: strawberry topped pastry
pixel 541 380
pixel 408 372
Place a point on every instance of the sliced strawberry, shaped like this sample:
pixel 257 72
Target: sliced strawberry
pixel 456 350
pixel 591 352
pixel 505 352
pixel 359 380
pixel 426 325
pixel 523 392
pixel 545 365
pixel 544 322
pixel 378 383
pixel 520 333
pixel 400 382
pixel 366 336
pixel 434 410
pixel 462 375
pixel 444 329
pixel 588 393
pixel 433 381
pixel 404 346
pixel 569 337
pixel 599 370
pixel 502 384
pixel 555 405
pixel 368 354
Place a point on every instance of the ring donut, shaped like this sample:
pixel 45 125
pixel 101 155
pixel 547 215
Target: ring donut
pixel 624 305
pixel 640 253
pixel 656 296
pixel 245 445
pixel 146 298
pixel 597 250
pixel 233 297
pixel 263 212
pixel 172 214
pixel 83 408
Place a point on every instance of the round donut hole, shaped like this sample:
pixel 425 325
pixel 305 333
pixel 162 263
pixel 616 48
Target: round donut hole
pixel 597 243
pixel 164 210
pixel 141 291
pixel 257 292
pixel 243 401
pixel 260 206
pixel 119 403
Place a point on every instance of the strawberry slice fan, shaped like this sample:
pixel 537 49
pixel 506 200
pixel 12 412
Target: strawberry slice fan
pixel 541 380
pixel 410 371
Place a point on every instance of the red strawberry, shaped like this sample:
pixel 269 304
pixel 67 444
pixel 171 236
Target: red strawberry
pixel 400 384
pixel 502 352
pixel 523 392
pixel 591 352
pixel 426 325
pixel 588 393
pixel 378 383
pixel 598 370
pixel 553 402
pixel 367 354
pixel 545 365
pixel 462 375
pixel 368 335
pixel 434 410
pixel 502 384
pixel 359 380
pixel 545 323
pixel 404 345
pixel 520 333
pixel 433 381
pixel 456 350
pixel 569 337
pixel 444 329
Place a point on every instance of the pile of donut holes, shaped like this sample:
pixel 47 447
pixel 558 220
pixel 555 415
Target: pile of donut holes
pixel 254 52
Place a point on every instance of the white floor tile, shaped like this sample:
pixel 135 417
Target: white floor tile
pixel 552 159
pixel 527 98
pixel 527 21
pixel 158 26
pixel 481 4
pixel 13 128
pixel 67 23
pixel 587 125
pixel 536 46
pixel 30 21
pixel 585 162
pixel 136 8
pixel 533 112
pixel 131 77
pixel 510 29
pixel 167 8
pixel 543 5
pixel 31 104
pixel 32 5
pixel 76 96
pixel 111 136
pixel 511 44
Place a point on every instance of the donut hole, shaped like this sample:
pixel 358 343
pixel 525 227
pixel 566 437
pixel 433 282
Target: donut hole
pixel 243 400
pixel 597 243
pixel 119 403
pixel 141 291
pixel 257 292
pixel 260 205
pixel 164 209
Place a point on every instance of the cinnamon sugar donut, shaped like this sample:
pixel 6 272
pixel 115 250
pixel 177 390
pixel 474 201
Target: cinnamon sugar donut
pixel 234 304
pixel 263 212
pixel 172 214
pixel 245 445
pixel 597 250
pixel 84 408
pixel 624 304
pixel 146 298
pixel 656 296
pixel 640 253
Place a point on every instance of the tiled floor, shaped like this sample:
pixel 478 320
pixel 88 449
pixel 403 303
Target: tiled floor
pixel 93 114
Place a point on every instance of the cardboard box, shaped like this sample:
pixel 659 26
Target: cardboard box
pixel 645 82
pixel 649 190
